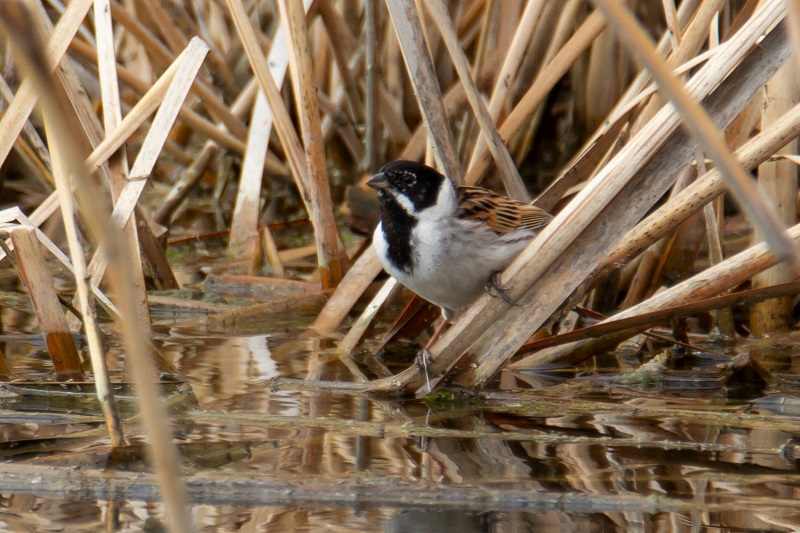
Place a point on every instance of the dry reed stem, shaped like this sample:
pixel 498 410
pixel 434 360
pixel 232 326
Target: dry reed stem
pixel 346 43
pixel 343 47
pixel 506 167
pixel 270 248
pixel 166 26
pixel 762 214
pixel 794 27
pixel 46 305
pixel 692 40
pixel 359 327
pixel 637 91
pixel 563 29
pixel 723 318
pixel 244 221
pixel 333 260
pixel 353 285
pixel 454 100
pixel 337 121
pixel 406 21
pixel 673 26
pixel 210 149
pixel 191 118
pixel 728 99
pixel 321 214
pixel 31 142
pixel 186 67
pixel 370 112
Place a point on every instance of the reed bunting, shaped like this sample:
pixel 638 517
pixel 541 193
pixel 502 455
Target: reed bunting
pixel 447 243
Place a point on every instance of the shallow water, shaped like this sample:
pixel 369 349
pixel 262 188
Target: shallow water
pixel 263 450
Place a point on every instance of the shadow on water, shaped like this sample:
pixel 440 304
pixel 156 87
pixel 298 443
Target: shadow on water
pixel 669 450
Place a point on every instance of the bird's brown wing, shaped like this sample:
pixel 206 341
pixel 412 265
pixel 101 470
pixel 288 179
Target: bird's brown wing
pixel 500 213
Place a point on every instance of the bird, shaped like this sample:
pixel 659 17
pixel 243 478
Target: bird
pixel 447 243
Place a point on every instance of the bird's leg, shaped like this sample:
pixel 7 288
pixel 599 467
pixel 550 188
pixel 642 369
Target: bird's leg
pixel 495 289
pixel 424 356
pixel 438 332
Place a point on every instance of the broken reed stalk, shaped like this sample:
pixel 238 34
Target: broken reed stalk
pixel 188 64
pixel 67 144
pixel 244 222
pixel 321 214
pixel 353 285
pixel 191 118
pixel 14 215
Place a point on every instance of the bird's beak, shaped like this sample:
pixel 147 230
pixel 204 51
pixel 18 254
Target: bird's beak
pixel 378 181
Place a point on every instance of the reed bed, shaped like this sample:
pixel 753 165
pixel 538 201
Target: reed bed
pixel 639 125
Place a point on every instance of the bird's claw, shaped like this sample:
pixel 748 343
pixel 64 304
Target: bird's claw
pixel 495 289
pixel 423 359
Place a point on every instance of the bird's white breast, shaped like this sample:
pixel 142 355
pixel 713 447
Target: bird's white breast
pixel 452 260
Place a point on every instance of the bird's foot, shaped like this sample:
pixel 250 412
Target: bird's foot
pixel 424 358
pixel 495 289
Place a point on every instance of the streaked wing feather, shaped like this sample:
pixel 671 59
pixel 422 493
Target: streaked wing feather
pixel 500 213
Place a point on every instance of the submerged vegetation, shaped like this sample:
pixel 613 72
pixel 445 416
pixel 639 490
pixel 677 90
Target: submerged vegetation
pixel 193 172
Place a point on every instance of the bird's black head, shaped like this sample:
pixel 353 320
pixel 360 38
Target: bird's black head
pixel 418 183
